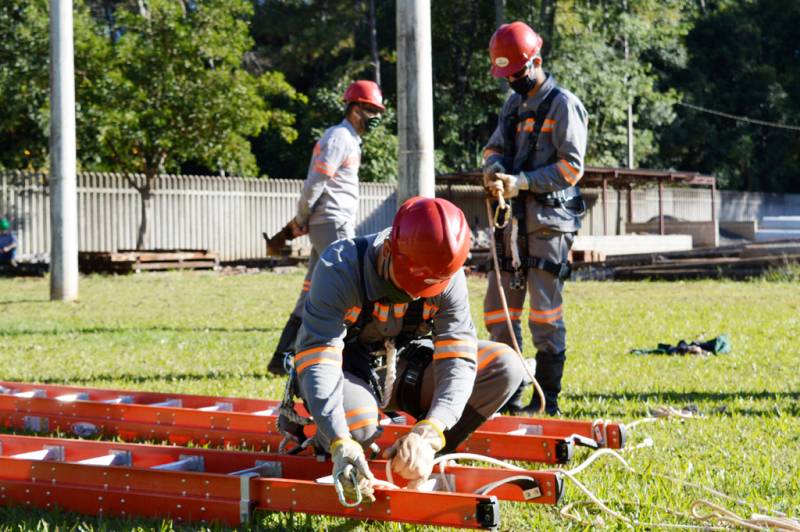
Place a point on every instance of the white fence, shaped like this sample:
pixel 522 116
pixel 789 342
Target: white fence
pixel 228 215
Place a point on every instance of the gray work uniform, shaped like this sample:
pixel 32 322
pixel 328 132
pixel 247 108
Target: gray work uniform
pixel 329 202
pixel 464 375
pixel 550 230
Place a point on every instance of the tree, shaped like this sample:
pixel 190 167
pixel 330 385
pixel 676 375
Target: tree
pixel 745 62
pixel 25 83
pixel 175 91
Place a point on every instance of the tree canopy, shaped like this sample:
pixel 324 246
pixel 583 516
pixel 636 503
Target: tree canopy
pixel 247 86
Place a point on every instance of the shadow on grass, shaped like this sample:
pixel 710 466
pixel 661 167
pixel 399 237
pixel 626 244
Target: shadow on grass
pixel 709 403
pixel 15 301
pixel 24 518
pixel 19 518
pixel 119 330
pixel 169 377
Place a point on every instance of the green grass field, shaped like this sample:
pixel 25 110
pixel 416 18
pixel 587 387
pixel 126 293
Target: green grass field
pixel 206 333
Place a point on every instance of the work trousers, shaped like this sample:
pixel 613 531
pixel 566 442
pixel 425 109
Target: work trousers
pixel 499 374
pixel 321 236
pixel 545 318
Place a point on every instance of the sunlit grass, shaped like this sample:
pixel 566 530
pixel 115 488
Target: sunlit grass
pixel 210 334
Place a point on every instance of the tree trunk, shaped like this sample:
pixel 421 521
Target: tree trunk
pixel 145 209
pixel 373 43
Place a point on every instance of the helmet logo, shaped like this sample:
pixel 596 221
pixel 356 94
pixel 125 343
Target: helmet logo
pixel 435 281
pixel 501 61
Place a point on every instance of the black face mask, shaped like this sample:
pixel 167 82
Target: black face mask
pixel 523 85
pixel 370 122
pixel 394 294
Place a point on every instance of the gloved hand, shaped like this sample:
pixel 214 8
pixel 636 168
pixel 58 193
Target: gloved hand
pixel 297 229
pixel 507 184
pixel 489 172
pixel 347 455
pixel 412 455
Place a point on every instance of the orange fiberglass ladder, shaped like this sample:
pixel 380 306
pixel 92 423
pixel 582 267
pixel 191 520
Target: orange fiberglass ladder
pixel 224 486
pixel 228 421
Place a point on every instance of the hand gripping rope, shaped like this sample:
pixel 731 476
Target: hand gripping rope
pixel 502 206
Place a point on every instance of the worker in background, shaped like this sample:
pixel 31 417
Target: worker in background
pixel 328 204
pixel 8 244
pixel 535 159
pixel 387 326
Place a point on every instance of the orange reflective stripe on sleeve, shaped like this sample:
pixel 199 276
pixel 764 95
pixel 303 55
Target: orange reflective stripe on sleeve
pixel 570 174
pixel 324 168
pixel 455 349
pixel 306 286
pixel 361 417
pixel 326 354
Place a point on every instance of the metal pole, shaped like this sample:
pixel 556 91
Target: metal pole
pixel 661 206
pixel 714 210
pixel 63 186
pixel 605 206
pixel 414 100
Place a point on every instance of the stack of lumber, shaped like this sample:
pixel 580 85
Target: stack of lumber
pixel 126 261
pixel 739 261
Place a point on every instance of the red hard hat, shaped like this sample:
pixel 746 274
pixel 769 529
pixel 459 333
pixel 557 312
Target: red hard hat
pixel 429 243
pixel 364 91
pixel 512 46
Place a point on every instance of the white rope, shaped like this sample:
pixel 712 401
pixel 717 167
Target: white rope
pixel 503 301
pixel 391 372
pixel 515 260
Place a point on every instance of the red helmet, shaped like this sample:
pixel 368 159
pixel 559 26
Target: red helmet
pixel 364 91
pixel 429 243
pixel 512 46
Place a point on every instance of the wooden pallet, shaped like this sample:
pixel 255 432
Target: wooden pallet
pixel 127 261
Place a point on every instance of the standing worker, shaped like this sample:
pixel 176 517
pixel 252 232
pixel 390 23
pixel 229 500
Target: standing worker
pixel 387 325
pixel 535 158
pixel 328 204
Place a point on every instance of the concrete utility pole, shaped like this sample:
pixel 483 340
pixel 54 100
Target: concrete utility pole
pixel 63 186
pixel 414 100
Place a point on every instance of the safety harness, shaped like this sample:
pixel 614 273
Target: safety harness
pixel 570 198
pixel 361 360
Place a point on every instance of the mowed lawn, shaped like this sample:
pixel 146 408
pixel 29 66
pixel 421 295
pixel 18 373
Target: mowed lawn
pixel 208 333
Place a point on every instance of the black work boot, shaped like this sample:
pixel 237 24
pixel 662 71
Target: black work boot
pixel 285 346
pixel 549 369
pixel 514 404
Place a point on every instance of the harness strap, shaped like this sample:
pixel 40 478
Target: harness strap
pixel 562 270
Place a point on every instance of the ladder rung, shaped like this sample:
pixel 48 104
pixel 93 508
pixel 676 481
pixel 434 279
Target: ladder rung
pixel 263 468
pixel 117 458
pixel 4 390
pixel 121 400
pixel 527 430
pixel 218 407
pixel 185 463
pixel 53 453
pixel 70 397
pixel 169 402
pixel 30 394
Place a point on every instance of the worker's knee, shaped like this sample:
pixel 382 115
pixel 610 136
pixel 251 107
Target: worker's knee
pixel 363 426
pixel 501 369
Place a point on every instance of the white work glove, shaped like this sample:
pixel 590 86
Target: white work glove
pixel 412 455
pixel 508 185
pixel 348 455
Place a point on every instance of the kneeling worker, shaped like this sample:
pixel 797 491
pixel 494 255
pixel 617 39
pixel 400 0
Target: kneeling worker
pixel 387 325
